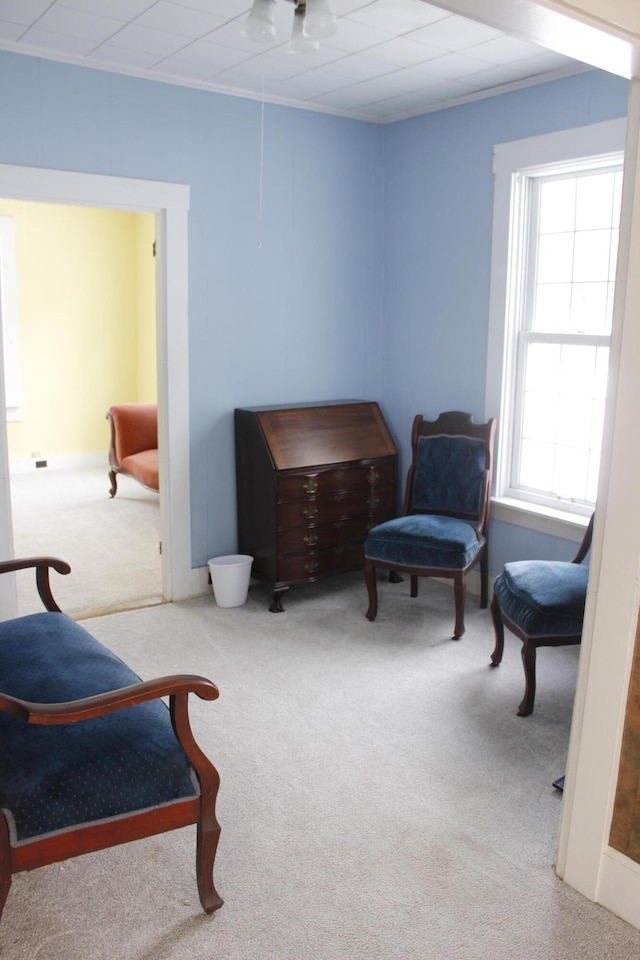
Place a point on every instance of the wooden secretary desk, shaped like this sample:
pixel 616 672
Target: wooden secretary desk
pixel 312 479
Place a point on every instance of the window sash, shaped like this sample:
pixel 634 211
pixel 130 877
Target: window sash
pixel 519 334
pixel 516 487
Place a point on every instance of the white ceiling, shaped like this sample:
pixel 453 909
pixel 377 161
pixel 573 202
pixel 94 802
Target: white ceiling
pixel 388 59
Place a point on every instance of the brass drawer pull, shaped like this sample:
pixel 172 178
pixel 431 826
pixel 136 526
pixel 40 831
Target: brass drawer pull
pixel 373 502
pixel 311 539
pixel 310 512
pixel 311 567
pixel 372 475
pixel 311 486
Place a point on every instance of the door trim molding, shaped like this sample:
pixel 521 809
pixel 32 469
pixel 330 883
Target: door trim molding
pixel 170 203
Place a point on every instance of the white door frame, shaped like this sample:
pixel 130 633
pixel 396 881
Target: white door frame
pixel 170 203
pixel 607 36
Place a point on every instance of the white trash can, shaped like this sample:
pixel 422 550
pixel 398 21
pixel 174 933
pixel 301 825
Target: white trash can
pixel 230 579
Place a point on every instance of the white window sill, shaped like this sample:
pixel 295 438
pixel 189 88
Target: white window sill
pixel 556 523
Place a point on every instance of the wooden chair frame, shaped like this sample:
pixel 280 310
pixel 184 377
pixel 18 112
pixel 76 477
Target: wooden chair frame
pixel 530 643
pixel 87 838
pixel 452 423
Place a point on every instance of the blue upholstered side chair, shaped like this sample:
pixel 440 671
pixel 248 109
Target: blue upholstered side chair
pixel 444 527
pixel 542 602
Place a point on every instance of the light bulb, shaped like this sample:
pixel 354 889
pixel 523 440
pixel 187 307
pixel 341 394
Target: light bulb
pixel 299 43
pixel 259 25
pixel 319 21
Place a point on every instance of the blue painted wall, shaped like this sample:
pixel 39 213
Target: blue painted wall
pixel 367 275
pixel 297 318
pixel 437 256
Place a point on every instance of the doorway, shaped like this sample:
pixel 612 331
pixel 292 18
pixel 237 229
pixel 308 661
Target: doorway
pixel 169 203
pixel 87 321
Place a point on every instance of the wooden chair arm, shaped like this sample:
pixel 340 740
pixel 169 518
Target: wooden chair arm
pixel 42 565
pixel 8 566
pixel 585 546
pixel 47 714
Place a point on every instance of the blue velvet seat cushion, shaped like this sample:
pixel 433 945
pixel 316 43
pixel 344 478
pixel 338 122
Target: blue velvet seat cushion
pixel 543 597
pixel 56 777
pixel 422 540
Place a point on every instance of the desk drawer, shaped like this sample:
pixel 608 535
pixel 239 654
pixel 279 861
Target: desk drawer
pixel 342 505
pixel 318 564
pixel 319 483
pixel 322 536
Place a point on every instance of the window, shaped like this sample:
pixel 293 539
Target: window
pixel 556 219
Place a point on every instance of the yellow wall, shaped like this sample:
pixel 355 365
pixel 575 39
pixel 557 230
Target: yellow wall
pixel 86 318
pixel 146 370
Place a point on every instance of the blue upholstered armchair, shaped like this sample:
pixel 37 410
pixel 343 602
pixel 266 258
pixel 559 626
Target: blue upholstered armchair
pixel 542 602
pixel 444 528
pixel 90 756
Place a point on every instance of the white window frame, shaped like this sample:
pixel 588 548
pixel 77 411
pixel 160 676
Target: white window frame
pixel 601 143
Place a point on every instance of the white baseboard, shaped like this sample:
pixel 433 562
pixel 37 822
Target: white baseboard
pixel 72 461
pixel 199 583
pixel 619 887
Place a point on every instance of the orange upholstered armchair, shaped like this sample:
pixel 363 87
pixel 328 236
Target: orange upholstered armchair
pixel 133 450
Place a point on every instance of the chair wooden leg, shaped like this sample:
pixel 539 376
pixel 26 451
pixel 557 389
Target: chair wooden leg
pixel 529 663
pixel 372 589
pixel 414 585
pixel 5 863
pixel 114 483
pixel 484 581
pixel 460 593
pixel 207 844
pixel 498 627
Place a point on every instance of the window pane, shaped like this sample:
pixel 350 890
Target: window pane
pixel 557 205
pixel 593 474
pixel 577 371
pixel 574 421
pixel 589 309
pixel 592 256
pixel 540 416
pixel 571 471
pixel 552 309
pixel 597 425
pixel 613 254
pixel 555 258
pixel 536 465
pixel 601 373
pixel 561 421
pixel 542 369
pixel 595 201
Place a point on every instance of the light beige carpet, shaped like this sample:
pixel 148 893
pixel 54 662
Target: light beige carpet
pixel 111 544
pixel 380 798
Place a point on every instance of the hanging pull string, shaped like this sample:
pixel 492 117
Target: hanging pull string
pixel 261 189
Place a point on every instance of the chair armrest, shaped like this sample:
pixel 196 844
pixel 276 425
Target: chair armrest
pixel 42 565
pixel 47 714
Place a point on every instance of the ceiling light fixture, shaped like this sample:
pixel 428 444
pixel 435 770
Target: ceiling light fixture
pixel 313 21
